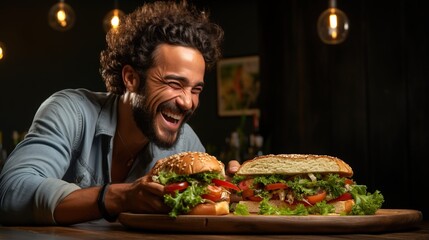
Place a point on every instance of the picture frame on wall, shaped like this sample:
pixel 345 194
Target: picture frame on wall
pixel 238 85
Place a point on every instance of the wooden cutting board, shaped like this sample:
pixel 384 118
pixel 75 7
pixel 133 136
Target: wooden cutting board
pixel 385 220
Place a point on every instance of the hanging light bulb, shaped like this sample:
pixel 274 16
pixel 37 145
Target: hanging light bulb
pixel 61 16
pixel 112 20
pixel 2 51
pixel 333 25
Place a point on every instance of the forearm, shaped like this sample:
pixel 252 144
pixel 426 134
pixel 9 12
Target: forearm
pixel 141 196
pixel 78 206
pixel 81 205
pixel 30 199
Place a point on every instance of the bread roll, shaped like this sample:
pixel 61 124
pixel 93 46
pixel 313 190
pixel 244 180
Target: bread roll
pixel 218 208
pixel 343 206
pixel 187 163
pixel 292 164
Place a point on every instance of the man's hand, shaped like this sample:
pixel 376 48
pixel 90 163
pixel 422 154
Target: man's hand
pixel 232 167
pixel 141 196
pixel 145 196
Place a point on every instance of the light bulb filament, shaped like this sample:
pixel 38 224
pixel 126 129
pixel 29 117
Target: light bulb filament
pixel 1 53
pixel 333 23
pixel 61 18
pixel 61 15
pixel 115 21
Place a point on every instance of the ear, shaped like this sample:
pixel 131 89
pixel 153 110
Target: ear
pixel 131 78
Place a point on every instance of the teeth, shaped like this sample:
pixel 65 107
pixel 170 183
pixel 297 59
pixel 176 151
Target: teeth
pixel 171 115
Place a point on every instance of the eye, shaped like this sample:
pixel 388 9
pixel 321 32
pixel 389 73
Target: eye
pixel 197 90
pixel 175 85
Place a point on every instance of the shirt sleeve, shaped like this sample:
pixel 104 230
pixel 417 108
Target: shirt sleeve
pixel 30 182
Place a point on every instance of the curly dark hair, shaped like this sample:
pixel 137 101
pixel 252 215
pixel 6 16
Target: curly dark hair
pixel 171 22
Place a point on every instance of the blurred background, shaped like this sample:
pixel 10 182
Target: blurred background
pixel 364 99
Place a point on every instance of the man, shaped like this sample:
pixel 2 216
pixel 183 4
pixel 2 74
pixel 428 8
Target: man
pixel 85 153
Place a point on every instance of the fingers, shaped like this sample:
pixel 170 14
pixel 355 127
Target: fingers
pixel 150 196
pixel 152 187
pixel 233 166
pixel 154 204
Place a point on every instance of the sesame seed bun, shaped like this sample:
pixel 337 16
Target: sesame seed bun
pixel 187 163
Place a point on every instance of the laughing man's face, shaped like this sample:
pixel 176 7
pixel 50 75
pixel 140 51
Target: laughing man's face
pixel 170 94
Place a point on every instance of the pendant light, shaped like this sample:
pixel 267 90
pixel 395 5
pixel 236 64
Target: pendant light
pixel 2 51
pixel 61 16
pixel 112 20
pixel 333 25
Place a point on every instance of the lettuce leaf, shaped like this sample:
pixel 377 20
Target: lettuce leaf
pixel 241 209
pixel 171 177
pixel 267 209
pixel 183 202
pixel 365 203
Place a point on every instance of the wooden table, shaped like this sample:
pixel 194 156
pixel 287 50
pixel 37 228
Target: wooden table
pixel 104 230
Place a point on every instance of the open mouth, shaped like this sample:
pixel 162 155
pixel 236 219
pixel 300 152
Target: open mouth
pixel 170 117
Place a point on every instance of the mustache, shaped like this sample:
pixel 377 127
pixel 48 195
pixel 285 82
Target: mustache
pixel 171 107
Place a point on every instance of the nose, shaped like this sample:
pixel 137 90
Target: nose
pixel 185 101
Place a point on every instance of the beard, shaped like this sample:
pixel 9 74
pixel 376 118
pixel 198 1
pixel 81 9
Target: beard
pixel 145 120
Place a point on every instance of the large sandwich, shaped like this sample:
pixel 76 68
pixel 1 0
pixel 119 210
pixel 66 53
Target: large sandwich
pixel 302 184
pixel 194 184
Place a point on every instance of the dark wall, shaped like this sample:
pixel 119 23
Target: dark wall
pixel 364 100
pixel 41 60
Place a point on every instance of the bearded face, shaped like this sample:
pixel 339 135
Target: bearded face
pixel 145 119
pixel 169 94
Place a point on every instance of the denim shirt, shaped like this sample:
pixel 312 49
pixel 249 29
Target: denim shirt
pixel 63 152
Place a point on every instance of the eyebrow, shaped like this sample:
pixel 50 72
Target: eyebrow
pixel 182 79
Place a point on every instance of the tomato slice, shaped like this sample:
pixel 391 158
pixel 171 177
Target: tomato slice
pixel 249 194
pixel 276 186
pixel 247 191
pixel 172 187
pixel 349 181
pixel 245 184
pixel 225 184
pixel 313 199
pixel 214 194
pixel 343 197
